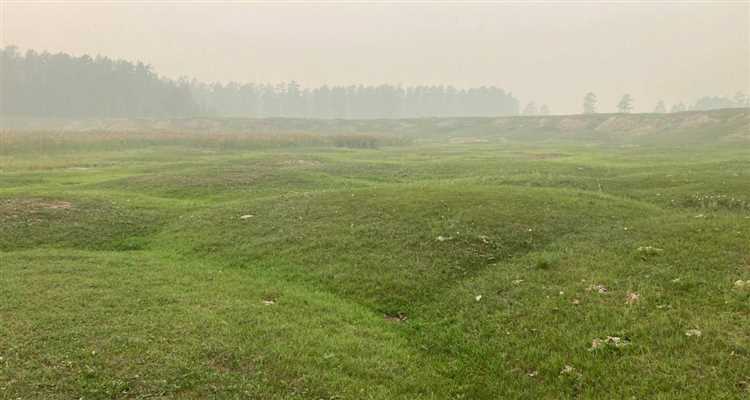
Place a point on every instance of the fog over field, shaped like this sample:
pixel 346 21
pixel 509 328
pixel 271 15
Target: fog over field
pixel 546 53
pixel 387 200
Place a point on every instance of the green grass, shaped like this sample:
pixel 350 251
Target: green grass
pixel 423 271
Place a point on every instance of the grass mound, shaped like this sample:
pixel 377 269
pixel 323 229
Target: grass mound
pixel 451 269
pixel 78 223
pixel 394 247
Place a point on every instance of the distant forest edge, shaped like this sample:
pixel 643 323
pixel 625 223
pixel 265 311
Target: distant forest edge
pixel 60 85
pixel 36 84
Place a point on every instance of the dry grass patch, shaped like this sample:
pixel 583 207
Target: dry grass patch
pixel 10 208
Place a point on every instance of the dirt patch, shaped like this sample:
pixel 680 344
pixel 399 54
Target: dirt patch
pixel 25 206
pixel 397 318
pixel 58 205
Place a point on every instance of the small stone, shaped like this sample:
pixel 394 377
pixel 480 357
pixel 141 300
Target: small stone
pixel 632 298
pixel 613 341
pixel 567 369
pixel 693 332
pixel 650 250
pixel 598 288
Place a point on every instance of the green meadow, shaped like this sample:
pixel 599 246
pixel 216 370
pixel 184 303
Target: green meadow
pixel 438 259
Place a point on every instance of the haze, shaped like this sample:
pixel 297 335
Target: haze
pixel 546 53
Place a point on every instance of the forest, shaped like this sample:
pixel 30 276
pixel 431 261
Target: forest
pixel 61 85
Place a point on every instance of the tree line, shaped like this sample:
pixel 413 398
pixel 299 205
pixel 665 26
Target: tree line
pixel 59 85
pixel 355 101
pixel 625 105
pixel 44 84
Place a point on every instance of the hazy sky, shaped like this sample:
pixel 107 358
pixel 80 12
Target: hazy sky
pixel 550 53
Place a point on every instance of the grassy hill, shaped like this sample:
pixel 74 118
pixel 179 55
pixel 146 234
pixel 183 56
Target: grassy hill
pixel 523 257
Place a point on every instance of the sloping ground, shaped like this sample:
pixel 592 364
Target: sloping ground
pixel 436 272
pixel 730 125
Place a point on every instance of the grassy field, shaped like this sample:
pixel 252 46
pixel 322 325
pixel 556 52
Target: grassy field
pixel 188 267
